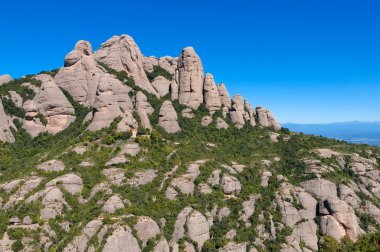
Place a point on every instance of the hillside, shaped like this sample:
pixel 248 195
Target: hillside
pixel 354 132
pixel 116 151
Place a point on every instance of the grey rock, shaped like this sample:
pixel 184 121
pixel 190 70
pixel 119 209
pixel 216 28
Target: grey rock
pixel 190 76
pixel 168 118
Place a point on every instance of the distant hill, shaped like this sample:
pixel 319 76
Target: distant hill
pixel 354 132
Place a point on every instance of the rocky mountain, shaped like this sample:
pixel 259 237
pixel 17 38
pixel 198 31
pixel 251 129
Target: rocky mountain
pixel 118 151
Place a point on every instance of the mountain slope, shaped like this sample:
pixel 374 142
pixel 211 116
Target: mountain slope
pixel 120 152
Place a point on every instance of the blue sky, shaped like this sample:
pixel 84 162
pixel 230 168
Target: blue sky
pixel 308 61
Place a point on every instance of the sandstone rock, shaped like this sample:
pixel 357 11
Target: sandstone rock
pixel 5 78
pixel 16 98
pixel 111 101
pixel 320 187
pixel 237 118
pixel 204 188
pixel 80 76
pixel 248 208
pixel 187 113
pixel 142 103
pixel 120 240
pixel 162 246
pixel 113 204
pixel 211 94
pixel 171 193
pixel 147 64
pixel 122 54
pixel 266 118
pixel 71 182
pixel 168 118
pixel 146 229
pixel 306 232
pixel 223 212
pixel 29 185
pixel 198 228
pixel 52 166
pixel 234 247
pixel 190 76
pixel 214 179
pixel 344 215
pixel 114 175
pixel 168 63
pixel 265 178
pixel 206 121
pixel 132 149
pixel 53 202
pixel 224 96
pixel 6 134
pixel 32 124
pixel 143 178
pixel 162 85
pixel 230 184
pixel 251 112
pixel 54 106
pixel 179 229
pixel 221 124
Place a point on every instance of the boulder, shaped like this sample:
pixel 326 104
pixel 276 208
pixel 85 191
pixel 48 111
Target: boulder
pixel 122 54
pixel 266 118
pixel 320 187
pixel 206 121
pixel 168 118
pixel 80 76
pixel 162 85
pixel 211 94
pixel 114 175
pixel 190 77
pixel 5 78
pixel 187 113
pixel 112 101
pixel 224 96
pixel 198 228
pixel 162 246
pixel 146 229
pixel 113 204
pixel 120 240
pixel 230 184
pixel 6 134
pixel 52 166
pixel 143 177
pixel 221 124
pixel 71 182
pixel 237 118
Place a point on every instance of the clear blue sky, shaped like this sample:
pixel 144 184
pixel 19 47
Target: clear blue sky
pixel 307 60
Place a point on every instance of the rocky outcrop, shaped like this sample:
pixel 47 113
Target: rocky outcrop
pixel 162 85
pixel 224 96
pixel 339 219
pixel 198 228
pixel 168 118
pixel 221 124
pixel 144 109
pixel 146 229
pixel 52 166
pixel 31 123
pixel 266 118
pixel 6 134
pixel 230 184
pixel 53 105
pixel 320 187
pixel 122 54
pixel 113 204
pixel 120 240
pixel 80 76
pixel 168 63
pixel 112 101
pixel 5 78
pixel 211 94
pixel 190 78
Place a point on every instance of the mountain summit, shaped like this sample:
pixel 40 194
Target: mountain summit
pixel 117 151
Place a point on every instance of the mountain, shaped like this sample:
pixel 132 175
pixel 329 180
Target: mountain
pixel 354 132
pixel 117 151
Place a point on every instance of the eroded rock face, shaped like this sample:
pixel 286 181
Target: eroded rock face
pixel 71 182
pixel 162 85
pixel 5 78
pixel 224 96
pixel 112 101
pixel 53 105
pixel 121 239
pixel 211 94
pixel 339 219
pixel 113 204
pixel 230 184
pixel 190 77
pixel 198 228
pixel 6 134
pixel 168 118
pixel 146 229
pixel 266 118
pixel 168 63
pixel 52 166
pixel 122 54
pixel 221 124
pixel 80 76
pixel 320 187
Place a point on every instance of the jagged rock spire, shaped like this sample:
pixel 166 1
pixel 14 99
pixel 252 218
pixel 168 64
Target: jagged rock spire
pixel 190 78
pixel 211 94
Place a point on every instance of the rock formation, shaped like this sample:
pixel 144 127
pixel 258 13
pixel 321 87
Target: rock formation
pixel 211 94
pixel 5 78
pixel 190 77
pixel 5 129
pixel 168 118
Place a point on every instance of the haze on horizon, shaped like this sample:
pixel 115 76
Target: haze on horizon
pixel 307 61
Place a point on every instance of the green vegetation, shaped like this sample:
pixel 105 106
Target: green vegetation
pixel 158 71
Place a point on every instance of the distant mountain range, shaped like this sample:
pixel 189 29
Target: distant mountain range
pixel 354 132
